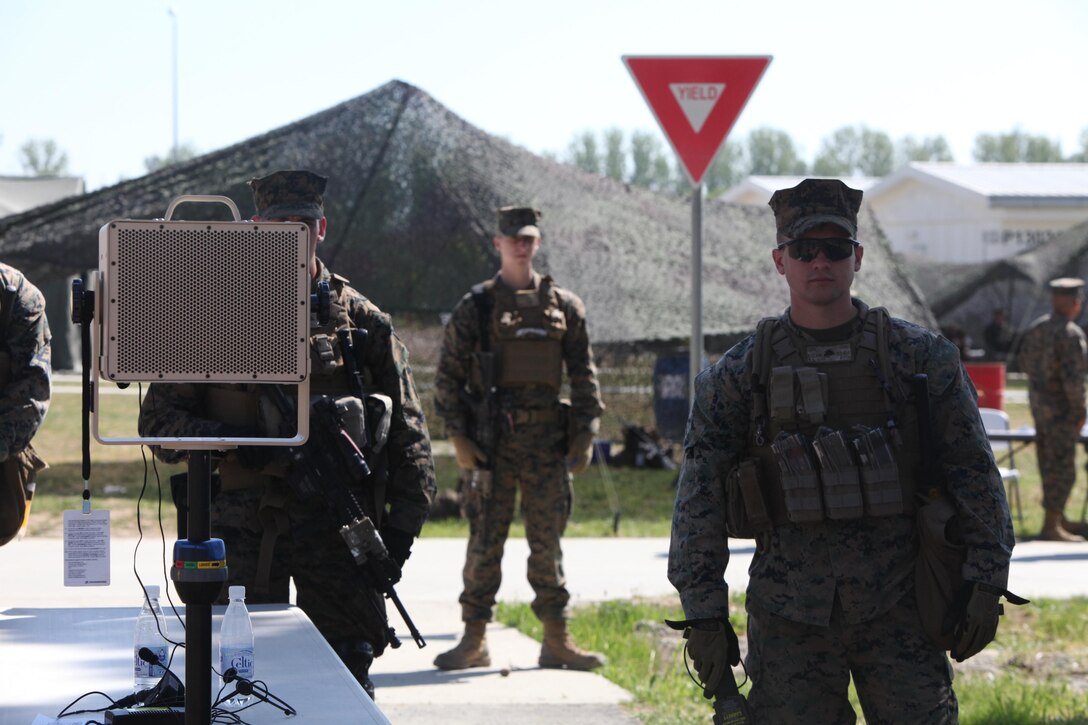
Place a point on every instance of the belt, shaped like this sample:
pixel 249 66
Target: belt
pixel 528 417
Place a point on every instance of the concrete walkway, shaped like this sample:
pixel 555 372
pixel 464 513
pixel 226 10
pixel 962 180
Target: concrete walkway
pixel 411 691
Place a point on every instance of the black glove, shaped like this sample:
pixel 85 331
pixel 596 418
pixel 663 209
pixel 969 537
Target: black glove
pixel 713 647
pixel 398 543
pixel 972 620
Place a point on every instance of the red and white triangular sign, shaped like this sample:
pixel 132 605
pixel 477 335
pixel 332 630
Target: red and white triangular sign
pixel 696 100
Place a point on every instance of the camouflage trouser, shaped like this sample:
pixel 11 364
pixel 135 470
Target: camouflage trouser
pixel 801 673
pixel 1056 447
pixel 312 553
pixel 532 461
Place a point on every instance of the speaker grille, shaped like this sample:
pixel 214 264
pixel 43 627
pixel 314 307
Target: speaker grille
pixel 192 301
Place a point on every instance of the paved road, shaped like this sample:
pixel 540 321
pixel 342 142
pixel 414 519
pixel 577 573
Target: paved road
pixel 411 692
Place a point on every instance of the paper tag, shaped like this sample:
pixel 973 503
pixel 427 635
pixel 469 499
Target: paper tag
pixel 87 548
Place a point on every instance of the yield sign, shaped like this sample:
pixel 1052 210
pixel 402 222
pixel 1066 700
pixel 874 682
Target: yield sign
pixel 696 100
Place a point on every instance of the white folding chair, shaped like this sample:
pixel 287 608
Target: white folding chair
pixel 994 419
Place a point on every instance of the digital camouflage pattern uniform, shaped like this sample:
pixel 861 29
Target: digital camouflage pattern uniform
pixel 25 379
pixel 25 372
pixel 256 506
pixel 1054 356
pixel 531 452
pixel 832 598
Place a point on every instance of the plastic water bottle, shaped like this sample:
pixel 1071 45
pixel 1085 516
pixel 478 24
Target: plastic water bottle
pixel 236 642
pixel 148 624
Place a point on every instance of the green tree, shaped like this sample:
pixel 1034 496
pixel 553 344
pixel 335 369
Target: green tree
pixel 855 150
pixel 1016 146
pixel 771 152
pixel 1082 156
pixel 650 166
pixel 42 157
pixel 584 153
pixel 615 158
pixel 931 148
pixel 184 152
pixel 726 170
pixel 877 153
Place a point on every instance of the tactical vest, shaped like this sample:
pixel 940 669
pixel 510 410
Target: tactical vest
pixel 833 436
pixel 240 405
pixel 527 328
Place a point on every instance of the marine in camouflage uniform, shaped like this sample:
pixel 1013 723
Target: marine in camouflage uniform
pixel 830 591
pixel 536 328
pixel 24 392
pixel 272 537
pixel 1054 355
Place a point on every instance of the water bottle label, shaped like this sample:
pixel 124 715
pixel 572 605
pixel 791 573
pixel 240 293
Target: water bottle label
pixel 146 669
pixel 240 659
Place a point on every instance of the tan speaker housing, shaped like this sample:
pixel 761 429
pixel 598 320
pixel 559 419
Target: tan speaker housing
pixel 203 302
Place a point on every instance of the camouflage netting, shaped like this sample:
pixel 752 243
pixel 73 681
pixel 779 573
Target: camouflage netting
pixel 411 202
pixel 967 294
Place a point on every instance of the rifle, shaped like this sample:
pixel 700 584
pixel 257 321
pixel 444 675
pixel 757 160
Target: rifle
pixel 485 405
pixel 322 470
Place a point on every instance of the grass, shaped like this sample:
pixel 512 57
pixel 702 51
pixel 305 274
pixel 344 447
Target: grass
pixel 1028 675
pixel 118 473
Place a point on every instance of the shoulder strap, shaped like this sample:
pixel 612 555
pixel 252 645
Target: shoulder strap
pixel 761 373
pixel 483 301
pixel 7 308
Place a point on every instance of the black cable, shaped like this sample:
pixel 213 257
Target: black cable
pixel 162 536
pixel 64 711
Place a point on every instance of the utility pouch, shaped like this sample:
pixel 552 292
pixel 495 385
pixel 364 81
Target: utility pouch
pixel 15 474
pixel 349 410
pixel 839 475
pixel 880 485
pixel 799 477
pixel 746 510
pixel 783 402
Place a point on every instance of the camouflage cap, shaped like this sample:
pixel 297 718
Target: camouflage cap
pixel 1066 286
pixel 289 193
pixel 814 202
pixel 519 221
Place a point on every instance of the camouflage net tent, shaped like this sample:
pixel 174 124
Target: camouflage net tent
pixel 411 201
pixel 966 295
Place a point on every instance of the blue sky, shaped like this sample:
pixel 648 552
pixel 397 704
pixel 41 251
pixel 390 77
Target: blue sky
pixel 96 76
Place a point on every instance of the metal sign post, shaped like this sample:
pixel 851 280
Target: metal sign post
pixel 695 358
pixel 696 100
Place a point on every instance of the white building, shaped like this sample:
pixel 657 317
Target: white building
pixel 20 193
pixel 960 212
pixel 978 212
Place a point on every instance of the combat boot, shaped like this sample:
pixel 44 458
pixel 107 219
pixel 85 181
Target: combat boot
pixel 559 650
pixel 1077 528
pixel 1053 530
pixel 471 651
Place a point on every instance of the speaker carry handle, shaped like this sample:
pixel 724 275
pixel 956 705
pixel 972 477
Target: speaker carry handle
pixel 203 198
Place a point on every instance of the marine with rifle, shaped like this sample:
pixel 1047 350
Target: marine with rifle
pixel 339 514
pixel 498 389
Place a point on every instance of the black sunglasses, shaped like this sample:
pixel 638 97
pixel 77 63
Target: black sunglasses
pixel 805 250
